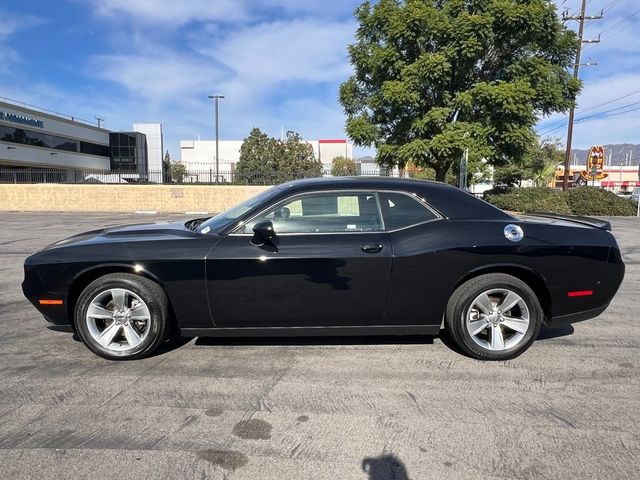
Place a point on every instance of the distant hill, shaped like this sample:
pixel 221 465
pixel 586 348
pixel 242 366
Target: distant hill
pixel 619 151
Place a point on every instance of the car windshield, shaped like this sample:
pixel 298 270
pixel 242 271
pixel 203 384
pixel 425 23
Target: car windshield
pixel 226 218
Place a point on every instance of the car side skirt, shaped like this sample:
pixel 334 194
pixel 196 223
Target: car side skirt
pixel 312 331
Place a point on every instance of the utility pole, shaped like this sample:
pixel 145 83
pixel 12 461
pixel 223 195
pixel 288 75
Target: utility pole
pixel 216 98
pixel 100 120
pixel 576 74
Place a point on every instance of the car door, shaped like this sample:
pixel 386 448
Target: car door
pixel 327 265
pixel 419 281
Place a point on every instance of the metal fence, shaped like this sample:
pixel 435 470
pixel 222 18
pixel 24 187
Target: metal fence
pixel 195 177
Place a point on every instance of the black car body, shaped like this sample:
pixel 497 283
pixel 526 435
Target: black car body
pixel 395 276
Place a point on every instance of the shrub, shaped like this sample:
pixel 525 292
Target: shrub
pixel 536 199
pixel 499 190
pixel 343 167
pixel 596 201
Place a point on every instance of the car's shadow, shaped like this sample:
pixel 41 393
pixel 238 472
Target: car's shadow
pixel 316 341
pixel 175 342
pixel 546 333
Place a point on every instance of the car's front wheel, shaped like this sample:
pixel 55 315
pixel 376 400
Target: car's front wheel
pixel 494 316
pixel 121 316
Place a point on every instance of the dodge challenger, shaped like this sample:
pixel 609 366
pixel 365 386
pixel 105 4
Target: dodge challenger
pixel 331 256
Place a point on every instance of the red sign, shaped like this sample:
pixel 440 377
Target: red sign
pixel 595 164
pixel 596 157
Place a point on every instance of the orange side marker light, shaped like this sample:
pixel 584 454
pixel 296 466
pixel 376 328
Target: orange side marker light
pixel 49 302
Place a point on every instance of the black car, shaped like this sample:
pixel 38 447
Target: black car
pixel 340 256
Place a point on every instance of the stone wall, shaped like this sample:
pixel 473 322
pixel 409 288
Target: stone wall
pixel 123 198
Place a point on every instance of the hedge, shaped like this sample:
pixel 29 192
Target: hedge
pixel 536 199
pixel 577 201
pixel 596 201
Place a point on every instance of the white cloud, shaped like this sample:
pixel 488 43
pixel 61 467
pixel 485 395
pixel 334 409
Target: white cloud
pixel 176 12
pixel 180 12
pixel 305 50
pixel 9 24
pixel 267 71
pixel 162 78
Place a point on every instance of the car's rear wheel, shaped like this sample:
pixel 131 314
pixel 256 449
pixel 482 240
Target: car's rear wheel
pixel 494 316
pixel 121 316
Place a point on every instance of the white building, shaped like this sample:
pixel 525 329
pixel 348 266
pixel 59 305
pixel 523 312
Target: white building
pixel 199 156
pixel 34 138
pixel 155 147
pixel 41 145
pixel 327 150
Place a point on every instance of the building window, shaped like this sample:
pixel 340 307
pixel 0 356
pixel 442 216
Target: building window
pixel 40 139
pixel 128 152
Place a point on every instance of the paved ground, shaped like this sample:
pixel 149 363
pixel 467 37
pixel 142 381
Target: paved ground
pixel 370 409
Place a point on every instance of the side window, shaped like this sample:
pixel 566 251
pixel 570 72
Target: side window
pixel 324 213
pixel 401 211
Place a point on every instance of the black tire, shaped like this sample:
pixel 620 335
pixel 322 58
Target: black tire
pixel 152 295
pixel 461 301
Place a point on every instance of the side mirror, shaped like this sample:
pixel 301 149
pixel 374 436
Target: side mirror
pixel 263 232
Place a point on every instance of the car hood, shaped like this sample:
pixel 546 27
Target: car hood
pixel 126 233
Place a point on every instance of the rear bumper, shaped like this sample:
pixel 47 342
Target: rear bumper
pixel 564 320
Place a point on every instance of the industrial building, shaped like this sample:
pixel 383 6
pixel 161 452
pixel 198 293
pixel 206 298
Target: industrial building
pixel 38 140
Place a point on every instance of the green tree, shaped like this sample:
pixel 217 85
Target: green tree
pixel 435 76
pixel 538 164
pixel 343 167
pixel 257 158
pixel 295 159
pixel 545 161
pixel 268 160
pixel 166 168
pixel 178 172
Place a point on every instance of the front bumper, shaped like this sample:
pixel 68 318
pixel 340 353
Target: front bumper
pixel 35 290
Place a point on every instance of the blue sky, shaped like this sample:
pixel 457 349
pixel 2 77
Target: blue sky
pixel 278 62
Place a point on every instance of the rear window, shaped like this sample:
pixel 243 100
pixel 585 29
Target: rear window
pixel 401 211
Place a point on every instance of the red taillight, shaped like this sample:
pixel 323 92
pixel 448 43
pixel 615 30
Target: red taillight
pixel 580 293
pixel 49 302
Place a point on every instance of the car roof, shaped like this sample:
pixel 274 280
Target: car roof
pixel 452 202
pixel 365 182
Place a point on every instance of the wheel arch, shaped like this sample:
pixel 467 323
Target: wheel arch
pixel 532 278
pixel 85 277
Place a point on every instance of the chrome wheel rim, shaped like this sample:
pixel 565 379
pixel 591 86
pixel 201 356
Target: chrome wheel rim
pixel 498 319
pixel 118 319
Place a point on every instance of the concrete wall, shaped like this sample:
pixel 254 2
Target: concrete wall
pixel 122 198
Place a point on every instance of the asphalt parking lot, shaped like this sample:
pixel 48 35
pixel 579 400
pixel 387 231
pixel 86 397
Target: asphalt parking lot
pixel 362 408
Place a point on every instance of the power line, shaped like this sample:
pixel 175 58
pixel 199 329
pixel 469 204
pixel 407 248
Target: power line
pixel 597 116
pixel 564 120
pixel 613 27
pixel 610 5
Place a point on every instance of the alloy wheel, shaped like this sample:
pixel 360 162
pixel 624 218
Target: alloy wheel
pixel 498 319
pixel 118 319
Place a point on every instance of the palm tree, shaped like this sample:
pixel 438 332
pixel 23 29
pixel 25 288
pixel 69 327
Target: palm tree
pixel 544 172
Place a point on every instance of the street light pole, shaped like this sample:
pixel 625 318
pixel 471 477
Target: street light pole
pixel 216 98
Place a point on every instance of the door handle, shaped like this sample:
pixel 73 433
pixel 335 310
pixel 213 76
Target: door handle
pixel 371 248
